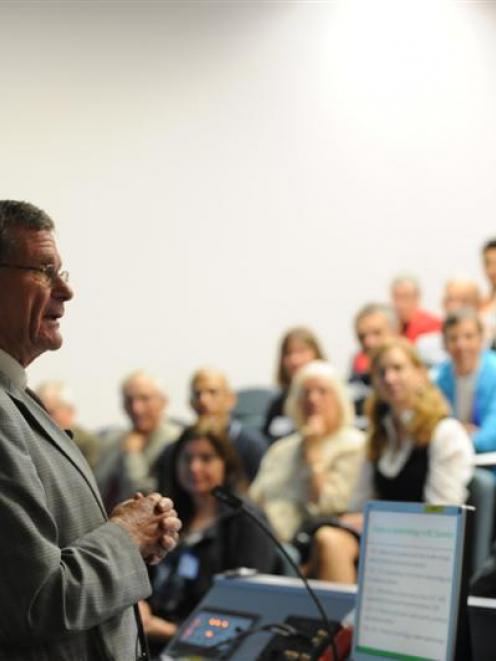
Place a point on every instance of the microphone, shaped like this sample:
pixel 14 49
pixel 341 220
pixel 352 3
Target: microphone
pixel 236 503
pixel 228 498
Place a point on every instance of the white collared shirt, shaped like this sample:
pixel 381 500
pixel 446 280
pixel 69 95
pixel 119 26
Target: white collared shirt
pixel 13 370
pixel 450 465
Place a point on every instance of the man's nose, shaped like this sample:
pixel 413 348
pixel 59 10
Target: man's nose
pixel 368 343
pixel 136 406
pixel 63 290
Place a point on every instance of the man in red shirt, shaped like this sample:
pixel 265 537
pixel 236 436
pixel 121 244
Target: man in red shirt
pixel 405 296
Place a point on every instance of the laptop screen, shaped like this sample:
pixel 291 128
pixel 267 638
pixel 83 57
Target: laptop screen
pixel 410 577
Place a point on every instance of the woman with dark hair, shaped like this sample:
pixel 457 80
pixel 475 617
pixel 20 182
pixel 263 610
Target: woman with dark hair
pixel 213 538
pixel 415 453
pixel 299 346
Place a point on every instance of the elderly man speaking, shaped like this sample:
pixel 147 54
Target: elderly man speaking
pixel 70 576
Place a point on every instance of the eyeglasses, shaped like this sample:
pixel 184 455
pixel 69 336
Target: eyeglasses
pixel 48 270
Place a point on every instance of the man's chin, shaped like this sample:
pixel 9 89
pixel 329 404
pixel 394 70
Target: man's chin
pixel 51 343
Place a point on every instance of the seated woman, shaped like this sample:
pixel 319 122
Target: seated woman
pixel 415 452
pixel 299 346
pixel 311 473
pixel 213 538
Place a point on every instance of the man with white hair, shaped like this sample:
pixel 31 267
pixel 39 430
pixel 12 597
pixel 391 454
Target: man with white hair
pixel 58 400
pixel 128 461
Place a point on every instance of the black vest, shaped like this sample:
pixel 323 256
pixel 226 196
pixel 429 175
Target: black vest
pixel 408 485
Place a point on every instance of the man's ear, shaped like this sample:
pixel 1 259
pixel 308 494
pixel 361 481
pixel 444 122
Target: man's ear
pixel 192 401
pixel 232 398
pixel 445 347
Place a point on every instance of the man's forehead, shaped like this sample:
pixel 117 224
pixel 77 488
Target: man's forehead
pixel 210 380
pixel 404 287
pixel 28 242
pixel 141 386
pixel 373 320
pixel 464 326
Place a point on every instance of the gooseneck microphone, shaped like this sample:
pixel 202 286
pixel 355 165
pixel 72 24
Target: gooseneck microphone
pixel 236 503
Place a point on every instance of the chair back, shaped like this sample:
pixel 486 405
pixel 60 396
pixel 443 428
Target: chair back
pixel 251 406
pixel 482 491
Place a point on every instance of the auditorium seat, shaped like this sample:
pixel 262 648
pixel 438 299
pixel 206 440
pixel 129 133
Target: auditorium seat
pixel 482 497
pixel 251 406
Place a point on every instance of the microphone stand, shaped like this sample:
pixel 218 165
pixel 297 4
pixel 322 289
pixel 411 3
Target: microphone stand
pixel 236 503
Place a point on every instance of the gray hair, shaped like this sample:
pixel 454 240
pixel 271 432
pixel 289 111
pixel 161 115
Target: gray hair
pixel 387 311
pixel 457 316
pixel 143 374
pixel 409 278
pixel 207 371
pixel 60 389
pixel 471 287
pixel 19 215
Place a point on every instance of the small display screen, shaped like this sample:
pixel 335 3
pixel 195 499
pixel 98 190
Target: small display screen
pixel 209 628
pixel 410 569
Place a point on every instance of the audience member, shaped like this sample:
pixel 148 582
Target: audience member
pixel 127 462
pixel 468 378
pixel 214 538
pixel 298 347
pixel 59 402
pixel 213 399
pixel 311 473
pixel 374 324
pixel 459 292
pixel 415 453
pixel 488 306
pixel 405 295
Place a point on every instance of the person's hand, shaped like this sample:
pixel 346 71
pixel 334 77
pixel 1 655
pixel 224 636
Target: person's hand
pixel 152 522
pixel 155 627
pixel 145 612
pixel 170 530
pixel 314 427
pixel 133 442
pixel 470 428
pixel 354 520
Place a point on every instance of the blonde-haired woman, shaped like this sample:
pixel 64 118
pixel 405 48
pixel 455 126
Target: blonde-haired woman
pixel 311 473
pixel 415 452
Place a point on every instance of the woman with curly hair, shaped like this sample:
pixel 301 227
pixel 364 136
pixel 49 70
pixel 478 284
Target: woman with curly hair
pixel 415 453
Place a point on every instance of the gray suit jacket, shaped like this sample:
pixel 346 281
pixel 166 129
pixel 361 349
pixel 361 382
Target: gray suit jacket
pixel 68 577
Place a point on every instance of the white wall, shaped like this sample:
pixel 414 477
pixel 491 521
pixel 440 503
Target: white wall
pixel 221 170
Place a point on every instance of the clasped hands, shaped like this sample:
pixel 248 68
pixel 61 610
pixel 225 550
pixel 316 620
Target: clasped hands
pixel 152 522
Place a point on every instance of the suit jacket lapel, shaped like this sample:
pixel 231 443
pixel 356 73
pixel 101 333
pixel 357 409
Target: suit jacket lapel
pixel 39 419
